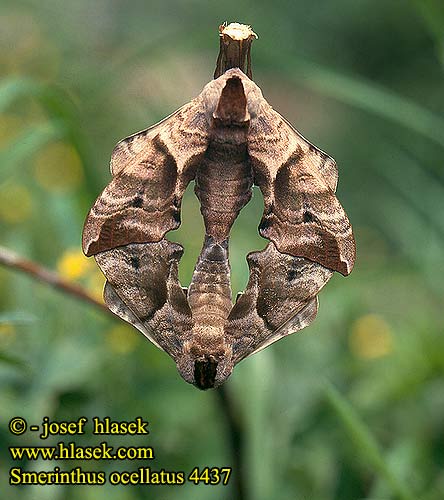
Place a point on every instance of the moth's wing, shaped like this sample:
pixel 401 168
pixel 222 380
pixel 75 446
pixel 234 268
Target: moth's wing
pixel 144 277
pixel 315 157
pixel 302 215
pixel 119 308
pixel 280 299
pixel 301 320
pixel 151 170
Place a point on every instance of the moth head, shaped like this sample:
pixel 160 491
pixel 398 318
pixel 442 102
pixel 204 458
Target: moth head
pixel 205 370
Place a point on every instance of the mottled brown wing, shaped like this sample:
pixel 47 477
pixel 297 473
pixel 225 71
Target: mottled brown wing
pixel 151 170
pixel 143 289
pixel 302 215
pixel 280 299
pixel 119 308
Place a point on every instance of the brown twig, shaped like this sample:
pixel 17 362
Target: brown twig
pixel 234 49
pixel 12 260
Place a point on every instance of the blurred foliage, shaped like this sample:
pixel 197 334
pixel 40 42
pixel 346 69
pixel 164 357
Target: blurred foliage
pixel 362 80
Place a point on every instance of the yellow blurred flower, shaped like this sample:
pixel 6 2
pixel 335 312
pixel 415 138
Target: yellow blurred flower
pixel 15 203
pixel 122 339
pixel 371 337
pixel 58 167
pixel 7 334
pixel 73 264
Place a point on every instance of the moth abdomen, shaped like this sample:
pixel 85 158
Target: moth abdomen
pixel 209 294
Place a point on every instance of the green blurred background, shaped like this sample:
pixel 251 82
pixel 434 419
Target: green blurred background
pixel 351 408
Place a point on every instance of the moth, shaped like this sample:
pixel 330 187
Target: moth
pixel 226 139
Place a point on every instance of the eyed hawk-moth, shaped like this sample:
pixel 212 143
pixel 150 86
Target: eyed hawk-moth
pixel 226 139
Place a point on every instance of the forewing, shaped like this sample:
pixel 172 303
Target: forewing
pixel 302 215
pixel 151 170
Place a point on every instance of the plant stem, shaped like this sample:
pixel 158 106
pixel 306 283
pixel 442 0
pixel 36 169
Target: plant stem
pixel 236 440
pixel 234 50
pixel 12 260
pixel 366 442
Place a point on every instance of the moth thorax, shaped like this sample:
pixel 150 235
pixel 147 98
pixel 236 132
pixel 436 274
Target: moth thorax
pixel 225 136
